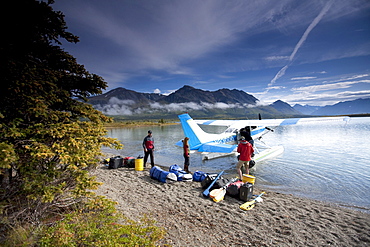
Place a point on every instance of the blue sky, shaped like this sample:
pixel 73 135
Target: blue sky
pixel 299 51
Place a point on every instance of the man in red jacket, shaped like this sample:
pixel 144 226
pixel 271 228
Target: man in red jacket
pixel 245 149
pixel 148 145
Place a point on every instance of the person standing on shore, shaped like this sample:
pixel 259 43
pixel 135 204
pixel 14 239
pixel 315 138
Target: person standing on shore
pixel 186 154
pixel 148 145
pixel 245 149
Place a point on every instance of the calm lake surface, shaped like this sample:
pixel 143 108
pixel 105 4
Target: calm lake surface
pixel 324 161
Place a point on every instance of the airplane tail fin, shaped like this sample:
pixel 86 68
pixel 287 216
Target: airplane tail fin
pixel 193 131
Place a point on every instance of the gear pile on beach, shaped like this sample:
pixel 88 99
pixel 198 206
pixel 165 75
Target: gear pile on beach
pixel 192 219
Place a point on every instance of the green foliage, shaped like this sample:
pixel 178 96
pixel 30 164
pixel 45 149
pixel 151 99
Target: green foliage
pixel 7 156
pixel 93 223
pixel 22 236
pixel 96 225
pixel 49 136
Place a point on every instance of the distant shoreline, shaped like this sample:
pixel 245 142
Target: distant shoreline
pixel 155 122
pixel 128 124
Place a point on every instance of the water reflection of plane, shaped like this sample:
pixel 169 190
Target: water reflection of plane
pixel 223 144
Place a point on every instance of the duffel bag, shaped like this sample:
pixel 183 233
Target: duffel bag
pixel 176 169
pixel 185 177
pixel 155 172
pixel 199 176
pixel 161 175
pixel 167 177
pixel 221 182
pixel 234 189
pixel 208 180
pixel 180 173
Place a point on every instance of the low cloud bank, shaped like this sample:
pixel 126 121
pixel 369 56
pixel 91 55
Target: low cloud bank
pixel 116 106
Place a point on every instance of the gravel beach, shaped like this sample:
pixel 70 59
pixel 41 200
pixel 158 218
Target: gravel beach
pixel 193 220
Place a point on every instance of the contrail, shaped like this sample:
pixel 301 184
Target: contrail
pixel 301 41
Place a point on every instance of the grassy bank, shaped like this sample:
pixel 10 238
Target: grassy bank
pixel 138 123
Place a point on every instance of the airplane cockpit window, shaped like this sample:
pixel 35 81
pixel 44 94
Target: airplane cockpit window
pixel 231 130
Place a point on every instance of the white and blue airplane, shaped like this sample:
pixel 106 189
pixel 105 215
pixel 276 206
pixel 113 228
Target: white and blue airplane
pixel 218 145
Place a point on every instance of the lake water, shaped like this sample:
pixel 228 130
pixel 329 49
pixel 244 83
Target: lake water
pixel 324 161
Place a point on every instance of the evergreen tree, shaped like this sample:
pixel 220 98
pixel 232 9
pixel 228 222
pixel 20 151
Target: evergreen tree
pixel 49 136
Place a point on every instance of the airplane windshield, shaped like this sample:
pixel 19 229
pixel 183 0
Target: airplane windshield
pixel 231 130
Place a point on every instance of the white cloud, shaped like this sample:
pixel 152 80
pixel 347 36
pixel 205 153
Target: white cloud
pixel 302 78
pixel 301 41
pixel 329 92
pixel 322 99
pixel 125 107
pixel 277 58
pixel 116 106
pixel 195 106
pixel 116 101
pixel 330 86
pixel 357 77
pixel 278 75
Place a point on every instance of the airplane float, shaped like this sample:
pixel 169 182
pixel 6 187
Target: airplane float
pixel 219 145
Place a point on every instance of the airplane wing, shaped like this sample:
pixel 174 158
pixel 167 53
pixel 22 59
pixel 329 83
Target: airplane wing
pixel 270 122
pixel 217 122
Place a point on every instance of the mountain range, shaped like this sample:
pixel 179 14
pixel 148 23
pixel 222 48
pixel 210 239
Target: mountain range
pixel 223 103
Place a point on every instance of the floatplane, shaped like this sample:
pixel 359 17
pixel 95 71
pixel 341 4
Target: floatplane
pixel 219 145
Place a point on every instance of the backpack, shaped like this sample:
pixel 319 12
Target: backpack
pixel 251 163
pixel 129 162
pixel 199 176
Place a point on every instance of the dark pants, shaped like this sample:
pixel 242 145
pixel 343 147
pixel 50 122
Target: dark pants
pixel 146 154
pixel 186 160
pixel 186 163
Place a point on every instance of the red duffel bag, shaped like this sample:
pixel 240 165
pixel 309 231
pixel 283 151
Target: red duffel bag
pixel 234 188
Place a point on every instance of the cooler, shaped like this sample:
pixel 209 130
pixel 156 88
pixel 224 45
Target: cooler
pixel 246 192
pixel 115 162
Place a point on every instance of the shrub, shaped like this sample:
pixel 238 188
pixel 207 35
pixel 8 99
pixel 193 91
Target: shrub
pixel 97 225
pixel 93 223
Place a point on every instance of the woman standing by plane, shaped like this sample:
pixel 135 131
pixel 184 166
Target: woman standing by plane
pixel 148 145
pixel 186 154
